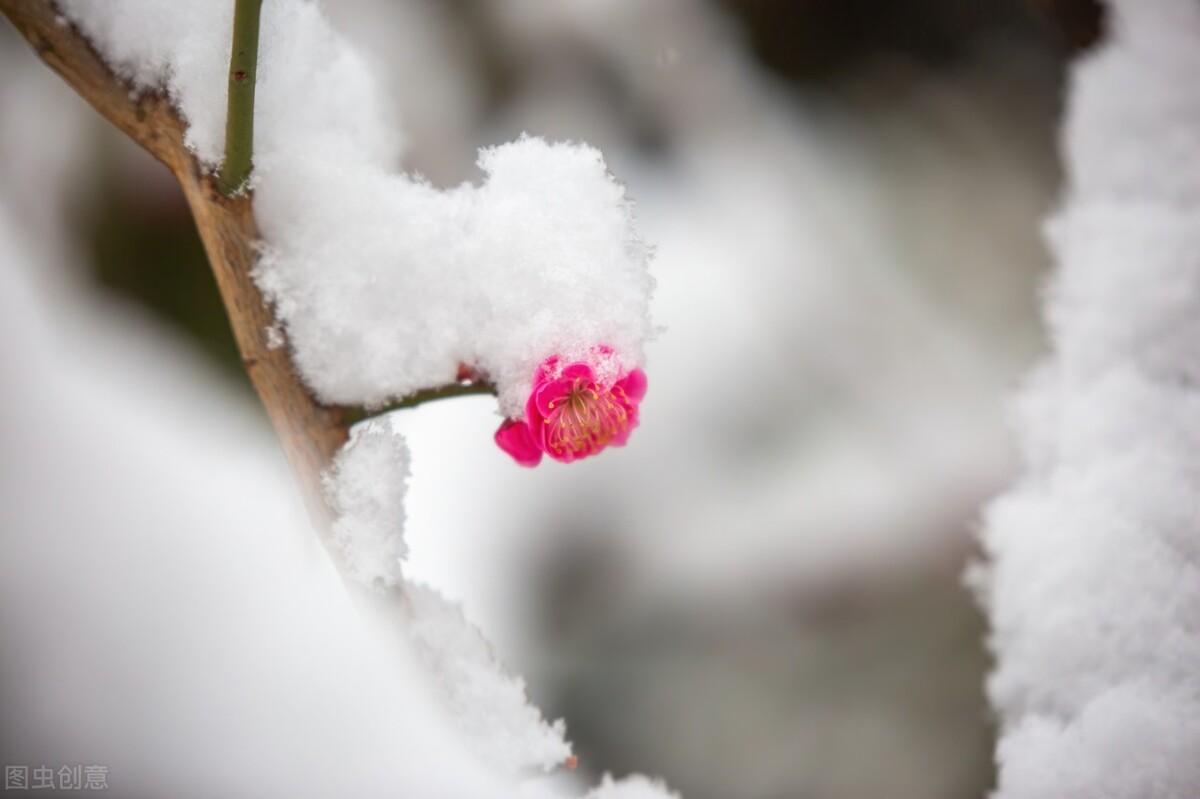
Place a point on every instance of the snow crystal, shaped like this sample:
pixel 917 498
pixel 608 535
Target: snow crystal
pixel 384 284
pixel 1093 585
pixel 489 704
pixel 366 489
pixel 275 337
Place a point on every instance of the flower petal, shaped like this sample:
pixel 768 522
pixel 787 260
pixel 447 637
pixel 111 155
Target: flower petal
pixel 562 456
pixel 634 385
pixel 535 420
pixel 622 435
pixel 515 438
pixel 547 393
pixel 577 371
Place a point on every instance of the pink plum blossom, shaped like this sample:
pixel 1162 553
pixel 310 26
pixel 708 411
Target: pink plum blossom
pixel 571 413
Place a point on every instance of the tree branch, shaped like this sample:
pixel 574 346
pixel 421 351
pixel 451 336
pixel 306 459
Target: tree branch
pixel 309 432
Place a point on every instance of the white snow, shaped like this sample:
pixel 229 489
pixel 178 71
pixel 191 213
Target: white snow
pixel 1093 585
pixel 383 283
pixel 387 285
pixel 366 488
pixel 489 705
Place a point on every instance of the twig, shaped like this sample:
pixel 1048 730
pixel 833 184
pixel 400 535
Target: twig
pixel 477 388
pixel 239 113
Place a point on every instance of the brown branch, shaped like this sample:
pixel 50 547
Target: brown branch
pixel 310 433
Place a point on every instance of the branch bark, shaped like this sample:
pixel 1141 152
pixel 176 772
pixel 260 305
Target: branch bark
pixel 309 432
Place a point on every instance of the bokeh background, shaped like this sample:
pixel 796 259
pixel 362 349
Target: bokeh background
pixel 761 595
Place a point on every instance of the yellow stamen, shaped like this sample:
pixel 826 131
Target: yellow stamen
pixel 587 420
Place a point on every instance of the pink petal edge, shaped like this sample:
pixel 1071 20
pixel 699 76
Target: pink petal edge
pixel 634 385
pixel 514 437
pixel 578 370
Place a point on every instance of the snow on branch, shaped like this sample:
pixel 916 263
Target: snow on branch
pixel 388 285
pixel 1093 583
pixel 384 284
pixel 487 703
pixel 365 488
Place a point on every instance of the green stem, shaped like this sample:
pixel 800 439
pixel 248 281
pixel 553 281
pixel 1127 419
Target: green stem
pixel 239 116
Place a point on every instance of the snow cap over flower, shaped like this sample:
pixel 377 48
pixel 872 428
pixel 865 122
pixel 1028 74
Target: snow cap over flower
pixel 575 410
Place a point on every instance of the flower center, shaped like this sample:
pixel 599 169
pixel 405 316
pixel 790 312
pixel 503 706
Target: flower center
pixel 585 420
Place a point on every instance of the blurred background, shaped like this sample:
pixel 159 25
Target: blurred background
pixel 761 595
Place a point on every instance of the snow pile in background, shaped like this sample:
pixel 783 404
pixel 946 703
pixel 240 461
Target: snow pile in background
pixel 385 284
pixel 366 490
pixel 1094 582
pixel 489 705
